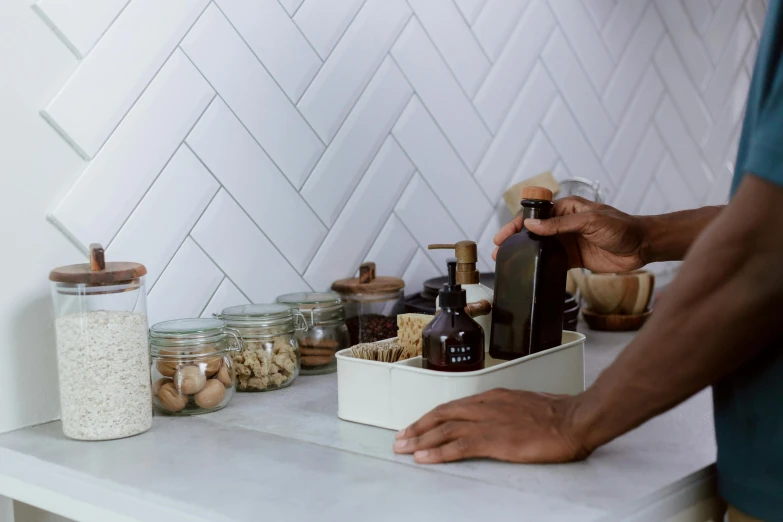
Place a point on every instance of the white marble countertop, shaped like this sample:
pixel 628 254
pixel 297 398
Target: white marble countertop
pixel 286 454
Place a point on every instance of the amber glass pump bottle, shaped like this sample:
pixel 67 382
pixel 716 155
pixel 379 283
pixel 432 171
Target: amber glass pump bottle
pixel 530 280
pixel 453 341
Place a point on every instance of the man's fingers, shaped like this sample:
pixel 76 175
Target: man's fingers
pixel 438 436
pixel 458 449
pixel 560 225
pixel 510 228
pixel 452 411
pixel 573 205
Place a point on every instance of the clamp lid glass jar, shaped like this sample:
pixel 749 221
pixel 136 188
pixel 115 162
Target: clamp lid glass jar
pixel 269 359
pixel 371 304
pixel 325 332
pixel 192 369
pixel 102 353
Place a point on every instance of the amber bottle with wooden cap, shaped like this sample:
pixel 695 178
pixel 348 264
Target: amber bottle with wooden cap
pixel 530 279
pixel 469 278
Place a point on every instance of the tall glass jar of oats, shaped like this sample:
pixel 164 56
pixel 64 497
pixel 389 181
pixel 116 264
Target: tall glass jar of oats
pixel 102 352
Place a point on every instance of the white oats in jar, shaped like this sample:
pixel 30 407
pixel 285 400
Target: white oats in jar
pixel 104 371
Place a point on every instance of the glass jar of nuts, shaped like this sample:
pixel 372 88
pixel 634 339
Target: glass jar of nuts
pixel 326 333
pixel 192 368
pixel 269 359
pixel 371 305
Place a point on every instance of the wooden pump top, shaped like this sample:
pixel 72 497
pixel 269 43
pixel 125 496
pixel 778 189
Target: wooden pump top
pixel 467 257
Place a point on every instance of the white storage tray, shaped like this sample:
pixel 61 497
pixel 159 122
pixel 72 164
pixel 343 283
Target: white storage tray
pixel 393 395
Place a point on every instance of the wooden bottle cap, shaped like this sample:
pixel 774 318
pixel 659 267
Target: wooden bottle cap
pixel 539 193
pixel 97 271
pixel 367 283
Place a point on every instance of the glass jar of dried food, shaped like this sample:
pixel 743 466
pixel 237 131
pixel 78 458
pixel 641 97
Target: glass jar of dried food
pixel 102 354
pixel 326 333
pixel 269 359
pixel 192 367
pixel 371 304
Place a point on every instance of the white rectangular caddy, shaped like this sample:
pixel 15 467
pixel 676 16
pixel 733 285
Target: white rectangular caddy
pixel 393 395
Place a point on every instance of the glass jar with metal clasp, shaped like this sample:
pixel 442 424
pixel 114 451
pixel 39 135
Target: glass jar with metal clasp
pixel 269 359
pixel 192 365
pixel 325 333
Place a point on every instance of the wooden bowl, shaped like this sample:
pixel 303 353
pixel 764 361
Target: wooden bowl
pixel 624 294
pixel 614 322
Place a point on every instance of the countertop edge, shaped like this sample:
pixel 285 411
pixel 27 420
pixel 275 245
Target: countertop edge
pixel 73 495
pixel 672 500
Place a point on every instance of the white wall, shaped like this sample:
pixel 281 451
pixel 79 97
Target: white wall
pixel 37 167
pixel 246 148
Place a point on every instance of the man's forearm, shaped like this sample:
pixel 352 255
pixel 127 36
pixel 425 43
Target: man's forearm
pixel 720 310
pixel 669 236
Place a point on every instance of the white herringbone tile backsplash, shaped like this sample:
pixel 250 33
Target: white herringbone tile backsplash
pixel 242 149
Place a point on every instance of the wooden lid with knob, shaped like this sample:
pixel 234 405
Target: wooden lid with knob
pixel 539 193
pixel 98 271
pixel 367 283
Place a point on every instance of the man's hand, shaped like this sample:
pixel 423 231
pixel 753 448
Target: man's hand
pixel 595 236
pixel 515 426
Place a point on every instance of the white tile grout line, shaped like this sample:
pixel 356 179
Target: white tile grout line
pixel 218 266
pixel 186 144
pixel 211 297
pixel 337 43
pixel 157 176
pixel 251 135
pixel 440 129
pixel 73 144
pixel 359 97
pixel 163 271
pixel 440 201
pixel 353 190
pixel 446 63
pixel 425 248
pixel 267 70
pixel 56 30
pixel 470 28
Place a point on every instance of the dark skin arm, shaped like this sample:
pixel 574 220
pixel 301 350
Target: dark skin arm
pixel 720 310
pixel 604 239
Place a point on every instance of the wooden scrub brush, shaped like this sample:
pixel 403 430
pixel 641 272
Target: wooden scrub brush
pixel 388 351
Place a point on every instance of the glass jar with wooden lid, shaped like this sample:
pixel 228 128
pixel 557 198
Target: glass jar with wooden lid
pixel 371 303
pixel 325 333
pixel 100 324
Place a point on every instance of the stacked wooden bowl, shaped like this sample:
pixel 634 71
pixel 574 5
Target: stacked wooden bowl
pixel 616 302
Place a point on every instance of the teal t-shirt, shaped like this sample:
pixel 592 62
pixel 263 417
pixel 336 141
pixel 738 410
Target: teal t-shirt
pixel 748 404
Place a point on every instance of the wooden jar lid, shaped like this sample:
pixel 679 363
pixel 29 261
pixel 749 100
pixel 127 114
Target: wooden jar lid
pixel 97 271
pixel 368 283
pixel 539 193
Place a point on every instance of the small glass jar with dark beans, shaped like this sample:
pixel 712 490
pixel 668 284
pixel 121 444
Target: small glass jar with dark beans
pixel 371 305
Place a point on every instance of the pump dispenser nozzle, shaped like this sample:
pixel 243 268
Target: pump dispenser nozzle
pixel 452 295
pixel 467 257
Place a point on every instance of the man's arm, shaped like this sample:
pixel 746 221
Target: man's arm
pixel 721 309
pixel 669 236
pixel 605 239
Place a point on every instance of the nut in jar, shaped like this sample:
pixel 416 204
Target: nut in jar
pixel 193 370
pixel 269 358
